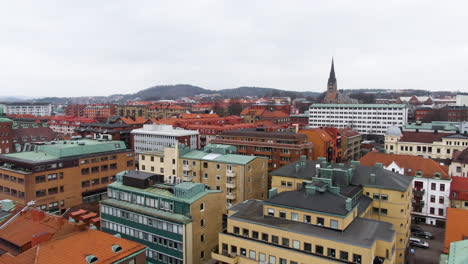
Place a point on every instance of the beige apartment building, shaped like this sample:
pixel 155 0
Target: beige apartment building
pixel 427 144
pixel 389 193
pixel 240 177
pixel 331 213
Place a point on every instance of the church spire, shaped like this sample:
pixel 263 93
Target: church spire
pixel 332 78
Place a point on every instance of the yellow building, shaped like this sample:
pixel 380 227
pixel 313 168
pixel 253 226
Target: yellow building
pixel 427 144
pixel 389 193
pixel 240 177
pixel 132 111
pixel 326 220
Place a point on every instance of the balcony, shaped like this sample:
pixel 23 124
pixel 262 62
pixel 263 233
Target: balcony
pixel 418 192
pixel 231 185
pixel 186 167
pixel 225 258
pixel 418 203
pixel 187 178
pixel 231 196
pixel 230 173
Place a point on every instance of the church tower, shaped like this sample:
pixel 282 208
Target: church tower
pixel 331 95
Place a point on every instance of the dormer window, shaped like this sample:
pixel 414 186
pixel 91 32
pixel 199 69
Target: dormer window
pixel 116 248
pixel 90 259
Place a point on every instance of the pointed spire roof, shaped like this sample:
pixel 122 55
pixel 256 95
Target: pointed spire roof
pixel 332 78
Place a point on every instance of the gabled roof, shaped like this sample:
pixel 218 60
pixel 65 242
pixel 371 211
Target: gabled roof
pixel 348 132
pixel 459 188
pixel 137 121
pixel 274 114
pixel 411 164
pixel 252 111
pixel 456 228
pixel 190 116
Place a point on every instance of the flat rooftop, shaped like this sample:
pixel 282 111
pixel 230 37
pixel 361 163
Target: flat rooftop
pixel 361 232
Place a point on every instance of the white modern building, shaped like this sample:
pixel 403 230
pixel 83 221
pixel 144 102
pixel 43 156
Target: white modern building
pixel 153 138
pixel 371 119
pixel 36 109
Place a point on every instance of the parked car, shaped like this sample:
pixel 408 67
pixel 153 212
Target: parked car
pixel 416 242
pixel 416 228
pixel 423 234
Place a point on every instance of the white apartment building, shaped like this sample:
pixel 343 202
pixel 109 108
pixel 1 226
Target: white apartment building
pixel 152 138
pixel 365 118
pixel 36 109
pixel 434 200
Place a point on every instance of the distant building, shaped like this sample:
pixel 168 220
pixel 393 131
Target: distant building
pixel 350 144
pixel 6 135
pixel 120 132
pixel 157 137
pixel 280 148
pixel 100 112
pixel 179 223
pixel 373 119
pixel 322 213
pixel 326 141
pixel 459 193
pixel 458 166
pixel 446 113
pixel 62 174
pixel 301 119
pixel 132 111
pixel 431 183
pixel 332 95
pixel 25 134
pixel 427 144
pixel 439 126
pixel 159 111
pixel 252 115
pixel 36 109
pixel 66 125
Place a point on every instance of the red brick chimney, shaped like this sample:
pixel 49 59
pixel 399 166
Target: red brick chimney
pixel 37 215
pixel 40 238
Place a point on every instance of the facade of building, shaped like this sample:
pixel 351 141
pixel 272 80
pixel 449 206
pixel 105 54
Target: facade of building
pixel 459 164
pixel 280 148
pixel 25 134
pixel 62 174
pixel 350 144
pixel 74 110
pixel 371 119
pixel 459 193
pixel 301 119
pixel 66 125
pixel 431 183
pixel 385 195
pixel 326 142
pixel 178 223
pixel 157 137
pixel 119 132
pixel 456 228
pixel 439 126
pixel 433 145
pixel 36 109
pixel 446 113
pixel 239 177
pixel 326 215
pixel 100 112
pixel 6 135
pixel 255 114
pixel 165 111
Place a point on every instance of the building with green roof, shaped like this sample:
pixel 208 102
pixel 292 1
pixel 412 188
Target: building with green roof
pixel 172 220
pixel 61 174
pixel 240 177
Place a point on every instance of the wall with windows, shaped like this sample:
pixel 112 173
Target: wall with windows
pixel 431 199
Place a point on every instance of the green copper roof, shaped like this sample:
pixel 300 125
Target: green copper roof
pixel 439 125
pixel 360 105
pixel 67 148
pixel 4 119
pixel 458 252
pixel 227 158
pixel 157 191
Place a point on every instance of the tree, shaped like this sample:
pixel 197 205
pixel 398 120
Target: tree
pixel 219 109
pixel 234 108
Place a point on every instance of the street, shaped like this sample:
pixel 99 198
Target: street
pixel 430 255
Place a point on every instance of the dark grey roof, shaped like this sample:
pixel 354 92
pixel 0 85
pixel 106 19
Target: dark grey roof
pixel 459 136
pixel 325 202
pixel 139 174
pixel 384 179
pixel 363 203
pixel 361 232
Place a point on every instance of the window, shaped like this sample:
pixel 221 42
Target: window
pixel 272 260
pixel 283 261
pixel 202 238
pixel 319 249
pixel 205 175
pixel 85 184
pixel 307 247
pixel 383 211
pixel 41 193
pixel 202 254
pixel 236 230
pixel 233 249
pixel 285 242
pixel 441 199
pixel 296 244
pixel 432 210
pixel 261 257
pixel 282 214
pixel 357 258
pixel 384 197
pixel 252 254
pixel 432 198
pixel 271 212
pixel 441 211
pixel 243 252
pixel 376 196
pixel 265 237
pixel 307 219
pixel 40 179
pixel 205 165
pixel 202 206
pixel 334 224
pixel 255 234
pixel 218 166
pixel 245 232
pixel 202 223
pixel 331 252
pixel 442 187
pixel 344 255
pixel 320 221
pixel 294 216
pixel 275 239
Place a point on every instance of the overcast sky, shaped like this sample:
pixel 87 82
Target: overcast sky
pixel 98 47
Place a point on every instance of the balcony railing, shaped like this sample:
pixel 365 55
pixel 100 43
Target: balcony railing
pixel 225 257
pixel 418 203
pixel 418 192
pixel 230 173
pixel 230 196
pixel 231 185
pixel 186 167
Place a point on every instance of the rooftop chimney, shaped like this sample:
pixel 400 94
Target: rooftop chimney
pixel 348 204
pixel 372 178
pixel 40 238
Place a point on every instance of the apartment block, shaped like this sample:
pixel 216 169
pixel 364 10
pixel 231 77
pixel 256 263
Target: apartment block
pixel 431 183
pixel 350 144
pixel 6 135
pixel 61 174
pixel 19 108
pixel 239 177
pixel 328 219
pixel 433 145
pixel 280 148
pixel 132 110
pixel 178 223
pixel 385 195
pixel 373 119
pixel 157 137
pixel 66 125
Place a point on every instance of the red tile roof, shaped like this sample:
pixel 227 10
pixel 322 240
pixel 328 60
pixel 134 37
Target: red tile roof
pixel 275 114
pixel 459 188
pixel 456 227
pixel 422 137
pixel 460 156
pixel 348 132
pixel 137 121
pixel 188 116
pixel 74 248
pixel 252 111
pixel 416 163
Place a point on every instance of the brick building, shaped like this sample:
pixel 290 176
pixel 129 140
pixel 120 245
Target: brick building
pixel 62 174
pixel 280 148
pixel 100 112
pixel 326 141
pixel 6 135
pixel 446 113
pixel 74 110
pixel 119 132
